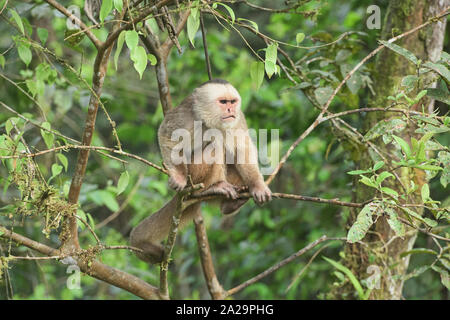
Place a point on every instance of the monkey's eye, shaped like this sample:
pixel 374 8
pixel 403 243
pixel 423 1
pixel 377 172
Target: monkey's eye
pixel 223 101
pixel 233 101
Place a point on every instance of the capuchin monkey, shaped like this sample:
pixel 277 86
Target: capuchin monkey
pixel 216 150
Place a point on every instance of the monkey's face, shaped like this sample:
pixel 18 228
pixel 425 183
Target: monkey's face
pixel 218 105
pixel 227 105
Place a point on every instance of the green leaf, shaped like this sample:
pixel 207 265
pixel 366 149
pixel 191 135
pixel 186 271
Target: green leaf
pixel 363 222
pixel 402 51
pixel 439 68
pixel 385 127
pixel 378 165
pixel 383 176
pixel 17 20
pixel 104 197
pixel 8 126
pixel 430 222
pixel 425 193
pixel 415 273
pixel 253 23
pixel 82 215
pixel 230 11
pixel 418 251
pixel 411 213
pixel 2 61
pixel 42 34
pixel 118 4
pixel 445 177
pixel 420 95
pixel 299 37
pixel 356 172
pixel 395 223
pixel 271 52
pixel 428 167
pixel 342 55
pixel 105 9
pixel 355 82
pixel 323 94
pixel 47 136
pixel 271 68
pixel 389 191
pixel 63 159
pixel 445 278
pixel 56 169
pixel 271 59
pixel 109 200
pixel 24 53
pixel 120 42
pixel 139 57
pixel 350 276
pixel 123 182
pixel 367 182
pixel 35 86
pixel 193 23
pixel 409 81
pixel 257 74
pixel 152 59
pixel 404 145
pixel 91 221
pixel 441 93
pixel 131 39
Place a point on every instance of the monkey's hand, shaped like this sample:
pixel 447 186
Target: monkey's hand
pixel 261 193
pixel 177 180
pixel 221 187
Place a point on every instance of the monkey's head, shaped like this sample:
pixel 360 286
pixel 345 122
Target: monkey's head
pixel 217 104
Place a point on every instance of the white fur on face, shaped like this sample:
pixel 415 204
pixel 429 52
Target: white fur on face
pixel 206 108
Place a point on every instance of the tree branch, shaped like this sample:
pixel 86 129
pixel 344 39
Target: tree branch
pixel 214 287
pixel 93 268
pixel 278 265
pixel 97 43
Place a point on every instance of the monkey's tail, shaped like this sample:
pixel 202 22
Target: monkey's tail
pixel 148 234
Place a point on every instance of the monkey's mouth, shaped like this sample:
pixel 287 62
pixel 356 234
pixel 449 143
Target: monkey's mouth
pixel 228 118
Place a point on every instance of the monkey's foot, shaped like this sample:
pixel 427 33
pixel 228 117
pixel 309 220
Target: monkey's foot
pixel 177 181
pixel 221 187
pixel 261 193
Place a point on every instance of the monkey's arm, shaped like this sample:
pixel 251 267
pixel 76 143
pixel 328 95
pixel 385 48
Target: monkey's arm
pixel 249 170
pixel 175 140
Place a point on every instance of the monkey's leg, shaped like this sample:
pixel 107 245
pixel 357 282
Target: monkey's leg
pixel 178 177
pixel 233 206
pixel 148 234
pixel 216 183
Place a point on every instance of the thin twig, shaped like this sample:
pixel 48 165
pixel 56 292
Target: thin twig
pixel 278 265
pixel 205 47
pixel 86 147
